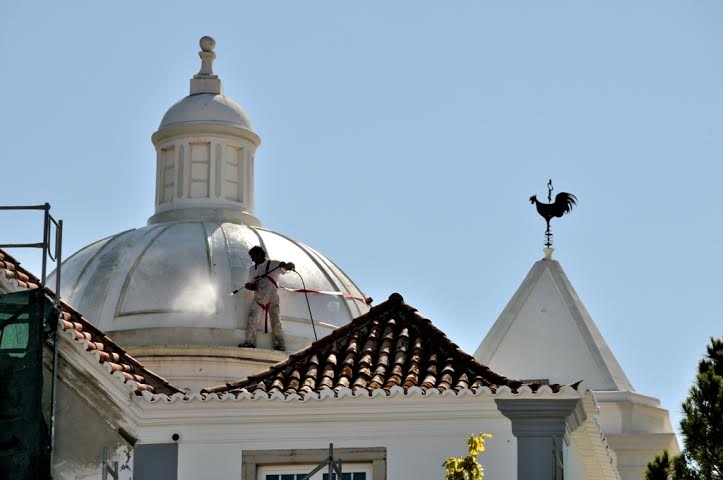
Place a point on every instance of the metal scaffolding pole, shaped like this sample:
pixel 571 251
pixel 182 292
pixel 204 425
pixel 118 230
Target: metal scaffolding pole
pixel 56 338
pixel 334 466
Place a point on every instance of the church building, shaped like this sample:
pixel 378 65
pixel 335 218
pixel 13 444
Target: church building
pixel 151 370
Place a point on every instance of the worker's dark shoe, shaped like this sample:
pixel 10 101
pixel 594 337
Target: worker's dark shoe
pixel 247 345
pixel 280 348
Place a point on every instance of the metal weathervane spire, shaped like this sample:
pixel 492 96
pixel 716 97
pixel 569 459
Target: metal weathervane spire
pixel 550 188
pixel 563 204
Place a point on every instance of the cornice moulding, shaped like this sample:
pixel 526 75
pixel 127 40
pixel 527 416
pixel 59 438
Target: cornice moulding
pixel 201 129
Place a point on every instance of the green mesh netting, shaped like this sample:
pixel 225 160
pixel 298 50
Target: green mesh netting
pixel 26 319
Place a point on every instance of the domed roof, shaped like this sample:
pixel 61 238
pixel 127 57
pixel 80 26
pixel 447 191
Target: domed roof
pixel 171 283
pixel 206 108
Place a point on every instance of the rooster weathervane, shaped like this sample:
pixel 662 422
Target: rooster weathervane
pixel 563 204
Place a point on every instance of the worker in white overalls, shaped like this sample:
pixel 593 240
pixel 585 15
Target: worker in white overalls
pixel 263 281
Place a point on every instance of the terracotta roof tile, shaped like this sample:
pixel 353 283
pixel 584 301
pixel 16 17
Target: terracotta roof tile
pixel 11 270
pixel 95 340
pixel 390 346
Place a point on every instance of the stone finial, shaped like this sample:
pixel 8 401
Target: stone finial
pixel 207 43
pixel 207 55
pixel 548 252
pixel 205 81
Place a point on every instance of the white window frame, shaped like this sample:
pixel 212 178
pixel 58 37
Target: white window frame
pixel 264 470
pixel 253 461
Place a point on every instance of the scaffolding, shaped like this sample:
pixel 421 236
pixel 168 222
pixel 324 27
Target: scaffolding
pixel 36 303
pixel 334 466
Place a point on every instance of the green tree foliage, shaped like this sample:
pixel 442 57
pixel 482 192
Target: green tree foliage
pixel 702 423
pixel 702 426
pixel 467 468
pixel 682 469
pixel 659 469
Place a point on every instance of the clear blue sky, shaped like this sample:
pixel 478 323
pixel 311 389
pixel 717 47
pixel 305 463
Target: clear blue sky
pixel 402 140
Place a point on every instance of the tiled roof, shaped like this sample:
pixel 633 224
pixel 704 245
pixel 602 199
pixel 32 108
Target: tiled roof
pixel 10 269
pixel 112 355
pixel 94 340
pixel 390 347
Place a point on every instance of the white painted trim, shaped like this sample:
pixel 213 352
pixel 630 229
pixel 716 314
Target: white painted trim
pixel 169 133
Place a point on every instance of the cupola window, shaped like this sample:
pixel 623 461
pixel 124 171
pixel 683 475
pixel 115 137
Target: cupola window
pixel 168 175
pixel 200 169
pixel 233 188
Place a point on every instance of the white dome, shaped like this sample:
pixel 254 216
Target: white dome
pixel 170 284
pixel 206 109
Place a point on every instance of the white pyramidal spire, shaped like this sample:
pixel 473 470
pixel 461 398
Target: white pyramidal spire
pixel 545 333
pixel 205 149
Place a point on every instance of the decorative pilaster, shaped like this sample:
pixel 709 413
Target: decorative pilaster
pixel 541 427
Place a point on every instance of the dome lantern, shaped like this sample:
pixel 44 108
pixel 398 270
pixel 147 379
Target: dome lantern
pixel 205 149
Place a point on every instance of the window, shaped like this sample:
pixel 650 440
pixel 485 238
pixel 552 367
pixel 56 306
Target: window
pixel 348 476
pixel 360 463
pixel 168 174
pixel 200 169
pixel 233 176
pixel 155 460
pixel 353 471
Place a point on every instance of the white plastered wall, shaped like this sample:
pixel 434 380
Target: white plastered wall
pixel 417 432
pixel 574 468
